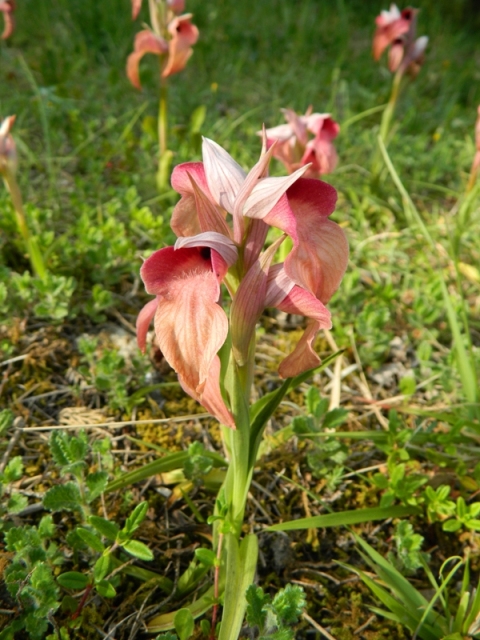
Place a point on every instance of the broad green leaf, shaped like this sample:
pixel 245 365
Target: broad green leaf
pixel 138 549
pixel 96 483
pixel 73 580
pixel 101 568
pixel 63 497
pixel 16 503
pixel 345 518
pixel 184 624
pixel 205 556
pixel 14 470
pixel 105 589
pixel 90 539
pixel 106 528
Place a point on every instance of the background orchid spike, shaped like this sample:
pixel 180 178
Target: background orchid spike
pixel 295 148
pixel 182 36
pixel 7 7
pixel 221 221
pixel 8 150
pixel 397 30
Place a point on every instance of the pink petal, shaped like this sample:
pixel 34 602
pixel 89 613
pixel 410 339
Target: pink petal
pixel 388 32
pixel 279 285
pixel 177 6
pixel 249 303
pixel 184 35
pixel 7 8
pixel 209 215
pixel 191 327
pixel 322 154
pixel 211 398
pixel 319 256
pixel 303 357
pixel 395 55
pixel 217 241
pixel 258 172
pixel 297 124
pixel 185 220
pixel 144 319
pixel 189 324
pixel 267 193
pixel 224 176
pixel 136 6
pixel 145 42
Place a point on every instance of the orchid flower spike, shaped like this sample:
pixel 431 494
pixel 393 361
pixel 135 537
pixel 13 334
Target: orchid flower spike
pixel 7 7
pixel 295 148
pixel 397 30
pixel 222 221
pixel 177 49
pixel 8 150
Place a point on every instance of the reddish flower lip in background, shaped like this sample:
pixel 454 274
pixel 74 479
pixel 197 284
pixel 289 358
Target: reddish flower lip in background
pixel 295 149
pixel 221 222
pixel 397 30
pixel 178 49
pixel 7 7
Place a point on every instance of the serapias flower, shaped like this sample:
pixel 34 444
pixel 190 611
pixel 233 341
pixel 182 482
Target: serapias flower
pixel 7 7
pixel 397 30
pixel 8 150
pixel 221 221
pixel 176 47
pixel 295 148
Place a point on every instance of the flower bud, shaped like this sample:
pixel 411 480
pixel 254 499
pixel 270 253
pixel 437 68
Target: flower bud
pixel 8 150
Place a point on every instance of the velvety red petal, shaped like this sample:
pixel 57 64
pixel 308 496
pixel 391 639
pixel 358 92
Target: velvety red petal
pixel 319 257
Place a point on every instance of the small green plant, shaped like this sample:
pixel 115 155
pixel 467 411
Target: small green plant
pixel 274 618
pixel 327 457
pixel 449 614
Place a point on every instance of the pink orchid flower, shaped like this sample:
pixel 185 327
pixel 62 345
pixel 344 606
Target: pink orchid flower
pixel 178 48
pixel 221 221
pixel 295 148
pixel 8 150
pixel 176 6
pixel 7 7
pixel 397 30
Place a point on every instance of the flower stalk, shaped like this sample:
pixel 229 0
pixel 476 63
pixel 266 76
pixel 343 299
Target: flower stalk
pixel 8 170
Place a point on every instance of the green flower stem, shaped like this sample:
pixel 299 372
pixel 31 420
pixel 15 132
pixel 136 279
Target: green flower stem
pixel 386 122
pixel 34 254
pixel 163 117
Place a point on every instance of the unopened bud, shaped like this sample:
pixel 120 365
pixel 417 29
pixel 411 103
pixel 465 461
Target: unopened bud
pixel 8 150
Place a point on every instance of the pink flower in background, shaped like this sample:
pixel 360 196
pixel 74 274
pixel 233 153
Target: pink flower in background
pixel 177 49
pixel 176 6
pixel 296 148
pixel 7 7
pixel 8 150
pixel 397 30
pixel 221 221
